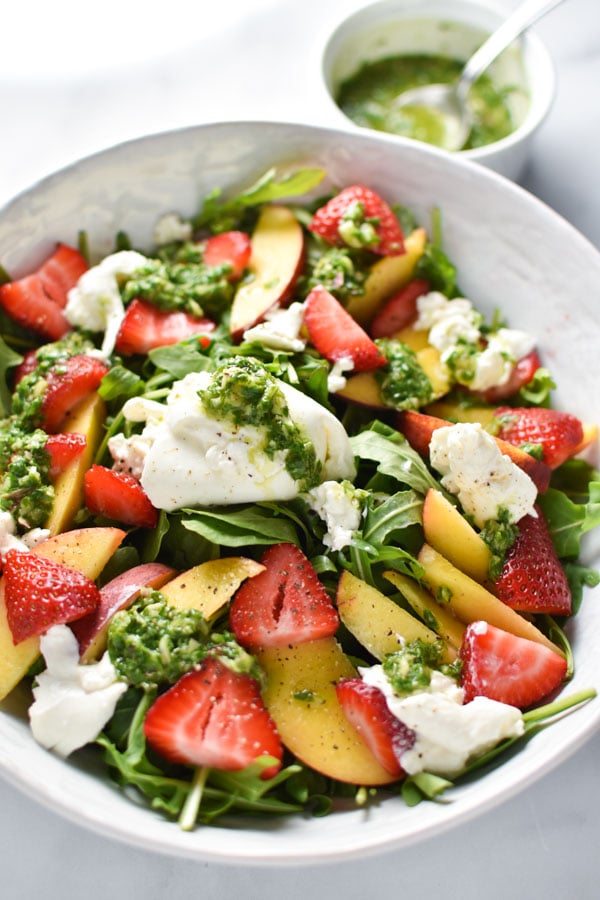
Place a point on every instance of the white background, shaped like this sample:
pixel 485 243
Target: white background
pixel 77 77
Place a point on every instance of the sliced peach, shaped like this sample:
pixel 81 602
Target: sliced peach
pixel 387 276
pixel 448 532
pixel 440 619
pixel 275 263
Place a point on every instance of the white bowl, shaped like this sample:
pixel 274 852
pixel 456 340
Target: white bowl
pixel 512 252
pixel 454 28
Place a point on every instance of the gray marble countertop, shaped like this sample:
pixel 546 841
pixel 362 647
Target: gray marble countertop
pixel 68 88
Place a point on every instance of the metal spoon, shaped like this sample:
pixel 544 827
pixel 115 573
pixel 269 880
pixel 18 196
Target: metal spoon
pixel 449 101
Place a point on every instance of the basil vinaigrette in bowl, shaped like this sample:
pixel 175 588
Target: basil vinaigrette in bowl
pixel 369 96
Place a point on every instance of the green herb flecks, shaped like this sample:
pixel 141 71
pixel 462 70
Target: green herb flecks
pixel 410 668
pixel 244 393
pixel 153 643
pixel 403 383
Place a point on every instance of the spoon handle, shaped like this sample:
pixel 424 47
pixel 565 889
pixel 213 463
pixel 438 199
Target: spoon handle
pixel 524 16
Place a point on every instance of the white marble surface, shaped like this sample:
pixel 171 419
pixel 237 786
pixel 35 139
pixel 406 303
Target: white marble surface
pixel 69 87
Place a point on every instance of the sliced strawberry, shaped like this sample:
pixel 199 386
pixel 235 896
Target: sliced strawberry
pixel 27 303
pixel 27 366
pixel 285 603
pixel 559 433
pixel 400 310
pixel 336 335
pixel 361 205
pixel 40 593
pixel 63 449
pixel 61 272
pixel 532 578
pixel 67 385
pixel 386 736
pixel 213 717
pixel 521 375
pixel 118 496
pixel 507 668
pixel 231 247
pixel 145 327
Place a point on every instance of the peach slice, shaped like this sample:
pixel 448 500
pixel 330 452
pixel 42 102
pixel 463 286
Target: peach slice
pixel 448 532
pixel 210 586
pixel 300 696
pixel 86 549
pixel 275 263
pixel 418 428
pixel 387 276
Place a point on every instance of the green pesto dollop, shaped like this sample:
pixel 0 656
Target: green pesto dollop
pixel 153 643
pixel 368 96
pixel 181 281
pixel 403 384
pixel 499 534
pixel 410 668
pixel 26 491
pixel 245 393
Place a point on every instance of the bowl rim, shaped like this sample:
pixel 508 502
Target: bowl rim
pixel 540 69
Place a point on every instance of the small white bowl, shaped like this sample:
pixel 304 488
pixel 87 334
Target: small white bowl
pixel 454 28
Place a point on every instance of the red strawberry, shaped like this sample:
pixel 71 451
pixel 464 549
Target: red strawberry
pixel 532 578
pixel 507 668
pixel 336 335
pixel 400 310
pixel 231 247
pixel 40 593
pixel 521 375
pixel 559 433
pixel 27 366
pixel 61 272
pixel 213 717
pixel 145 327
pixel 67 385
pixel 27 303
pixel 118 496
pixel 386 736
pixel 285 603
pixel 371 209
pixel 63 449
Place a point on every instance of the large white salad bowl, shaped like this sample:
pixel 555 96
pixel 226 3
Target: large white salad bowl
pixel 512 252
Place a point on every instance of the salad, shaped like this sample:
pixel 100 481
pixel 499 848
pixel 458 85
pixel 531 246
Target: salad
pixel 285 523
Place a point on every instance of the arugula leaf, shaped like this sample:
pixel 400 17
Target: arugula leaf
pixel 394 456
pixel 384 518
pixel 569 521
pixel 239 527
pixel 267 189
pixel 9 358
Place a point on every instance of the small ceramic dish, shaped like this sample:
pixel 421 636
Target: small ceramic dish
pixel 524 73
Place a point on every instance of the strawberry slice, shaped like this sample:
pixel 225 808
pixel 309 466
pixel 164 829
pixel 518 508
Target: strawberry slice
pixel 27 303
pixel 560 434
pixel 213 717
pixel 118 496
pixel 145 327
pixel 40 593
pixel 366 708
pixel 27 366
pixel 358 217
pixel 63 449
pixel 233 247
pixel 532 578
pixel 336 335
pixel 507 668
pixel 61 272
pixel 285 603
pixel 67 385
pixel 521 375
pixel 400 310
